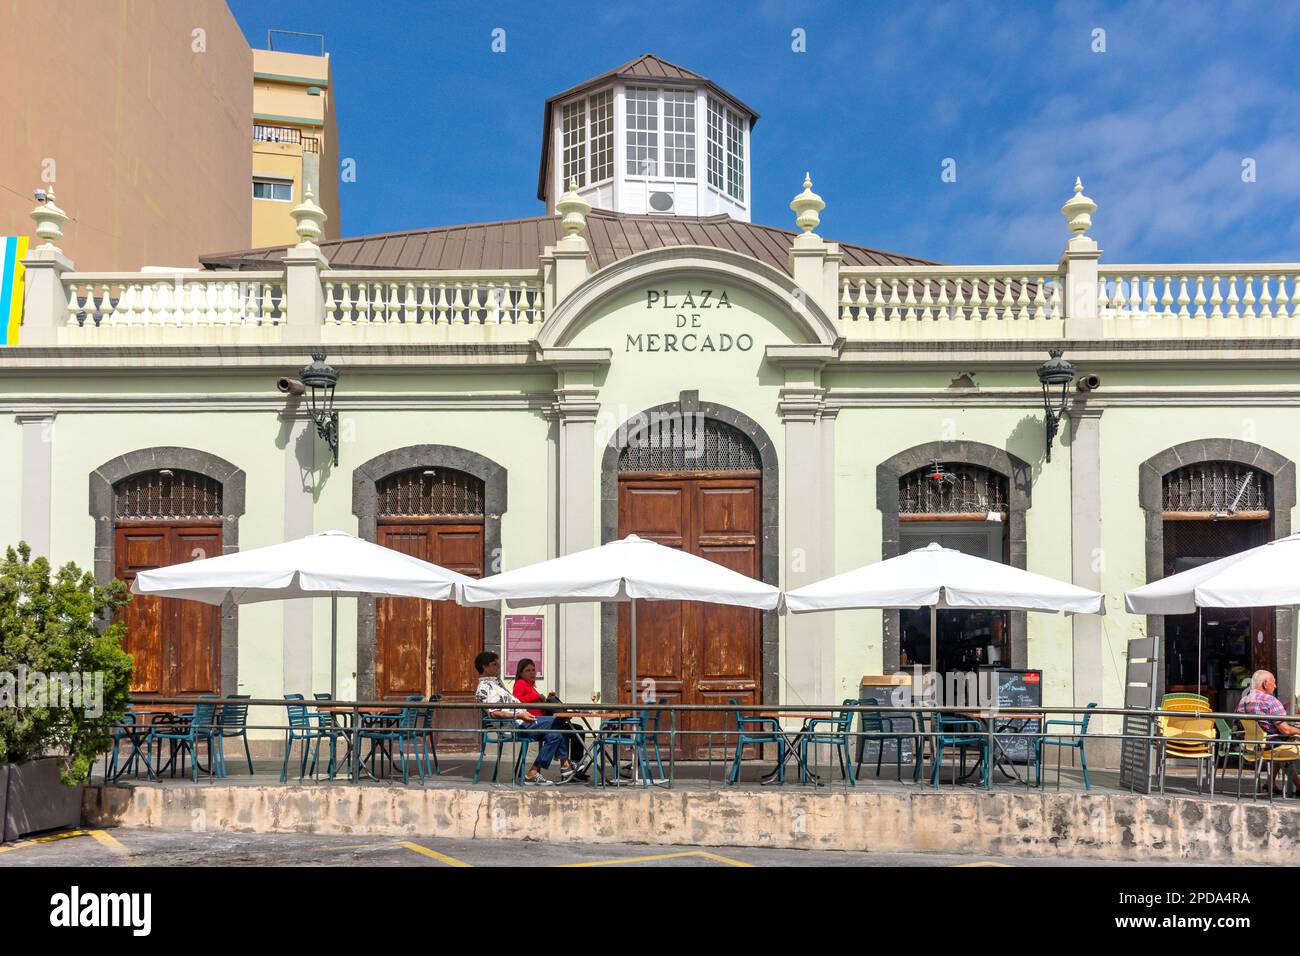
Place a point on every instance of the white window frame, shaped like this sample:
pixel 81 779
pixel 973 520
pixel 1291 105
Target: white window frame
pixel 271 181
pixel 610 133
pixel 661 133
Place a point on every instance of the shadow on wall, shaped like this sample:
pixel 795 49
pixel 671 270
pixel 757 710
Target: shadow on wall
pixel 1028 441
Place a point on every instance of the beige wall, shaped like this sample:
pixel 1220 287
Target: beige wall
pixel 149 138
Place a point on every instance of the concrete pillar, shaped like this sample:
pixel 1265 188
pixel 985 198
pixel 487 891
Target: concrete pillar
pixel 299 464
pixel 303 294
pixel 45 300
pixel 1079 269
pixel 809 638
pixel 576 407
pixel 1086 552
pixel 38 472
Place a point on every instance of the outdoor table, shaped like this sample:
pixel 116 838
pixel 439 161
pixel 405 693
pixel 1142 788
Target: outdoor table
pixel 136 734
pixel 375 715
pixel 1004 762
pixel 792 739
pixel 169 715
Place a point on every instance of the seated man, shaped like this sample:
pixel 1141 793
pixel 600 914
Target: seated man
pixel 1260 700
pixel 492 691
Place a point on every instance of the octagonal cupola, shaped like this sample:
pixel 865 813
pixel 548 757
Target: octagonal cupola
pixel 649 137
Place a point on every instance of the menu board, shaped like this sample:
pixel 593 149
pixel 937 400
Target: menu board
pixel 887 689
pixel 524 638
pixel 1018 689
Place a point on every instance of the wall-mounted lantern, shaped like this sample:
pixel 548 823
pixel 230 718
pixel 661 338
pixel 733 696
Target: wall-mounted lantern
pixel 1055 375
pixel 320 381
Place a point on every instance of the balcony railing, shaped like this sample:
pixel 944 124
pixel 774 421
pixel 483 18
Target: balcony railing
pixel 262 133
pixel 359 298
pixel 105 300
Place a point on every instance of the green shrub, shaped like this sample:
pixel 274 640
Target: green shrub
pixel 54 624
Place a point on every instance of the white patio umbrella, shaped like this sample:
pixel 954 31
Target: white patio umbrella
pixel 332 563
pixel 630 569
pixel 1266 576
pixel 939 577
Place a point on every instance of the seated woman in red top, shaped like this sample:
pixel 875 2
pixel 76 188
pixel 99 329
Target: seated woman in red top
pixel 572 752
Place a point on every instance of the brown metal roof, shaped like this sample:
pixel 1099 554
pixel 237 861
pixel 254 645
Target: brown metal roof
pixel 516 244
pixel 645 67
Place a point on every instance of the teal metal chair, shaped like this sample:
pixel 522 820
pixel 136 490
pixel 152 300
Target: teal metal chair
pixel 757 730
pixel 833 731
pixel 406 732
pixel 185 738
pixel 139 737
pixel 878 727
pixel 1063 741
pixel 426 746
pixel 502 731
pixel 622 732
pixel 652 719
pixel 233 722
pixel 963 733
pixel 308 729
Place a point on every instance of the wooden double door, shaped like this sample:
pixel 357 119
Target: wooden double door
pixel 428 647
pixel 176 644
pixel 691 652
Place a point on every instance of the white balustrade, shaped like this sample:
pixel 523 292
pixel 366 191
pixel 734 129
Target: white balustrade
pixel 433 298
pixel 1233 293
pixel 949 294
pixel 159 300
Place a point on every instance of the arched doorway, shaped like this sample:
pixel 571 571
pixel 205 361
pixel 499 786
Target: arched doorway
pixel 161 517
pixel 687 477
pixel 428 647
pixel 1212 509
pixel 963 507
pixel 977 505
pixel 1203 500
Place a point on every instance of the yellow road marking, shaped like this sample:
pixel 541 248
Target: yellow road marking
pixel 111 842
pixel 50 838
pixel 662 856
pixel 425 851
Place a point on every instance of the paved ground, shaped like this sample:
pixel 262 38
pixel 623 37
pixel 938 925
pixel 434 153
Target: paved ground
pixel 122 847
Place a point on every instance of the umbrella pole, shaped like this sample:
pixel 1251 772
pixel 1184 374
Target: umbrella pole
pixel 1198 650
pixel 934 639
pixel 633 661
pixel 334 645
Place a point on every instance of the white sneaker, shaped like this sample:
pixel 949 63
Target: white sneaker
pixel 537 780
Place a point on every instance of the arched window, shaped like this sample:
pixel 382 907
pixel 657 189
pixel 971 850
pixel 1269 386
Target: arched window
pixel 167 495
pixel 950 490
pixel 1218 489
pixel 430 492
pixel 674 442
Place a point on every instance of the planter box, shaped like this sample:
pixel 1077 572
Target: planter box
pixel 4 797
pixel 37 799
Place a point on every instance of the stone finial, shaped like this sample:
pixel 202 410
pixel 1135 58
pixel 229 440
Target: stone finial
pixel 573 208
pixel 807 206
pixel 309 219
pixel 1078 210
pixel 50 220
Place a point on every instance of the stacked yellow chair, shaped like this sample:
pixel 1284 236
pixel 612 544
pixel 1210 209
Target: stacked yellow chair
pixel 1187 738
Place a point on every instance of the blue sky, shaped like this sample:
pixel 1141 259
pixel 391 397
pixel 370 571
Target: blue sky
pixel 445 131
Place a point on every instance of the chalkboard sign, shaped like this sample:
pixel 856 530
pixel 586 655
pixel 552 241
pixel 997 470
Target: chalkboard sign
pixel 886 690
pixel 1018 689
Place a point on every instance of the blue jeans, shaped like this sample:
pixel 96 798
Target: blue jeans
pixel 552 740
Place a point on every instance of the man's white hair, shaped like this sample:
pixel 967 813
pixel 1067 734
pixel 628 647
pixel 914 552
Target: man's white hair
pixel 1257 679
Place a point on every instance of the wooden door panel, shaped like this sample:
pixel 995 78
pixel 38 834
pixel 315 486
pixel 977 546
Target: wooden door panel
pixel 654 510
pixel 402 625
pixel 135 550
pixel 660 626
pixel 193 652
pixel 1263 654
pixel 697 653
pixel 727 510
